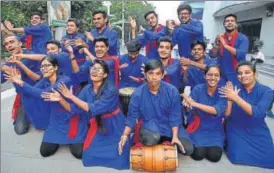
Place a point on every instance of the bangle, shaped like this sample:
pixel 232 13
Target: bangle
pixel 124 137
pixel 72 58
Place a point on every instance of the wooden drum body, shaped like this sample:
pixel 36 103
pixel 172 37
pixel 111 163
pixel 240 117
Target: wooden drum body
pixel 124 98
pixel 158 158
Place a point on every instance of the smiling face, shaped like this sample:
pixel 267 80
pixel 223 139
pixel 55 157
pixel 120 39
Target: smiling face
pixel 152 20
pixel 164 49
pixel 47 69
pixel 12 45
pixel 230 24
pixel 246 75
pixel 97 73
pixel 198 52
pixel 184 16
pixel 100 49
pixel 35 20
pixel 213 77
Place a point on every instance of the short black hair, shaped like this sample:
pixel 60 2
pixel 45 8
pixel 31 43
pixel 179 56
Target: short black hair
pixel 103 64
pixel 101 39
pixel 36 13
pixel 198 42
pixel 99 12
pixel 150 12
pixel 242 63
pixel 184 6
pixel 11 35
pixel 77 23
pixel 231 15
pixel 153 64
pixel 55 42
pixel 134 46
pixel 52 59
pixel 165 39
pixel 208 67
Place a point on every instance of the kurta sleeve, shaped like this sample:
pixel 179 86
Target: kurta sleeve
pixel 36 92
pixel 105 104
pixel 133 111
pixel 193 28
pixel 82 96
pixel 175 118
pixel 243 49
pixel 220 106
pixel 261 107
pixel 142 39
pixel 149 35
pixel 38 30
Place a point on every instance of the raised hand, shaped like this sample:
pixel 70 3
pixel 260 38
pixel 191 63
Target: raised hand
pixel 229 92
pixel 62 88
pixel 142 29
pixel 13 76
pixel 89 35
pixel 8 25
pixel 222 40
pixel 132 22
pixel 53 96
pixel 185 61
pixel 68 46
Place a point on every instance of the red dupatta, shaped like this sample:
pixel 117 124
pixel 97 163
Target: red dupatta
pixel 232 44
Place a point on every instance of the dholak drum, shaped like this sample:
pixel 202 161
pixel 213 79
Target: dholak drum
pixel 158 158
pixel 124 97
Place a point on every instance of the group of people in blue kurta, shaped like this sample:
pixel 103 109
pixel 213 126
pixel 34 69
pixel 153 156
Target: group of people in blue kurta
pixel 70 89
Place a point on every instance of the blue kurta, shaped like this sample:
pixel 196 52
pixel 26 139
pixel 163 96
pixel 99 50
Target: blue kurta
pixel 103 150
pixel 133 69
pixel 210 132
pixel 151 45
pixel 195 76
pixel 112 36
pixel 59 122
pixel 249 141
pixel 80 57
pixel 159 112
pixel 227 70
pixel 173 70
pixel 182 35
pixel 40 35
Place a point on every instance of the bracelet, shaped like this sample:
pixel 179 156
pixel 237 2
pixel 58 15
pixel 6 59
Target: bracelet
pixel 124 137
pixel 72 58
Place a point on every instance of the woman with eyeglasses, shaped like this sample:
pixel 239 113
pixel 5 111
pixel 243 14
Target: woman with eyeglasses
pixel 63 128
pixel 205 117
pixel 98 101
pixel 249 141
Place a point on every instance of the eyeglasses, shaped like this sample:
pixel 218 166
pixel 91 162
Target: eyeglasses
pixel 45 66
pixel 98 70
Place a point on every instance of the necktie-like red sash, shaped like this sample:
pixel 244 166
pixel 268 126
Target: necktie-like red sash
pixel 116 68
pixel 94 127
pixel 16 106
pixel 167 77
pixel 194 125
pixel 232 44
pixel 28 40
pixel 73 126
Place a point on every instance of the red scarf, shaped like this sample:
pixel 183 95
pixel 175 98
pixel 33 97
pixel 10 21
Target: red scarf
pixel 232 44
pixel 167 77
pixel 153 44
pixel 116 68
pixel 73 126
pixel 16 106
pixel 194 125
pixel 28 40
pixel 94 127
